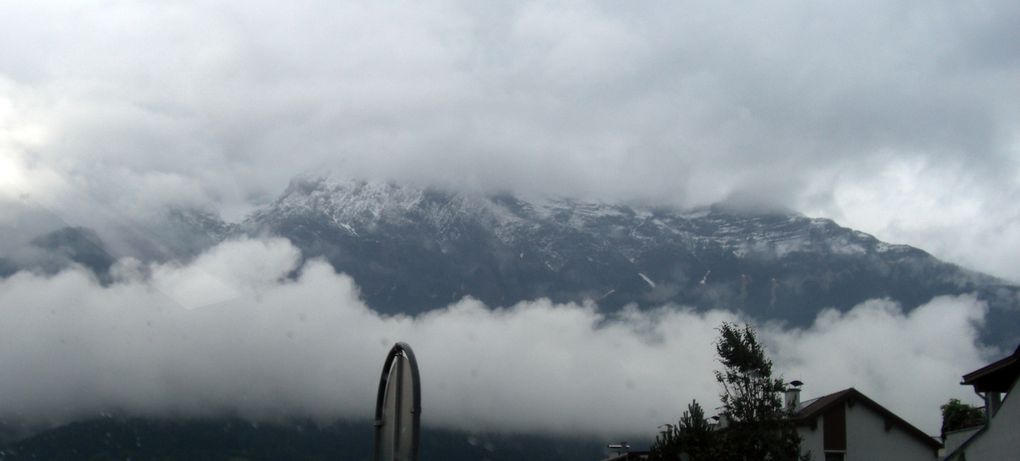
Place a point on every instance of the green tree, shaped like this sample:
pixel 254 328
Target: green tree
pixel 692 435
pixel 758 427
pixel 958 415
pixel 754 425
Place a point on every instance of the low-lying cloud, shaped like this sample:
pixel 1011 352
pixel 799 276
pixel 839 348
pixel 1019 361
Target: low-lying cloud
pixel 231 334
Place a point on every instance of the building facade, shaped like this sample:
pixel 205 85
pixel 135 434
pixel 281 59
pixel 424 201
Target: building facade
pixel 999 439
pixel 849 426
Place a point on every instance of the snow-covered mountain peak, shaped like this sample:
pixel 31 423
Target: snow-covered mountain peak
pixel 358 206
pixel 347 200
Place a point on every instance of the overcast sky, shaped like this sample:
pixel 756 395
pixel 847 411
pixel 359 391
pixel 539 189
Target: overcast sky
pixel 896 118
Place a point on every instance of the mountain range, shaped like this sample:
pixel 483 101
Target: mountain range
pixel 412 249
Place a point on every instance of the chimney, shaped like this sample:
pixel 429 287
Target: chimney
pixel 993 400
pixel 793 396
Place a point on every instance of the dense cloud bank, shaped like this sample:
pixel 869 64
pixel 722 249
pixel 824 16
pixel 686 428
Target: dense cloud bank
pixel 898 118
pixel 231 334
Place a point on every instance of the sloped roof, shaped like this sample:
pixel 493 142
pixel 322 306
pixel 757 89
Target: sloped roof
pixel 998 376
pixel 806 413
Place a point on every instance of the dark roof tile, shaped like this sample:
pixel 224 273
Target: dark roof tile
pixel 998 376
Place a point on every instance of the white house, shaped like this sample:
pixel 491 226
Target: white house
pixel 849 426
pixel 999 439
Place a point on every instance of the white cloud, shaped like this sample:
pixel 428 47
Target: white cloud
pixel 909 362
pixel 950 209
pixel 147 104
pixel 275 348
pixel 225 272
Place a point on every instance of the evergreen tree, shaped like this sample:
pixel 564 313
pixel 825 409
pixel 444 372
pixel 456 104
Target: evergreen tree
pixel 758 427
pixel 754 426
pixel 692 435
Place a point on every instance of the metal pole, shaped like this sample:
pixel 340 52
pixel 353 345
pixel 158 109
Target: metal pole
pixel 398 356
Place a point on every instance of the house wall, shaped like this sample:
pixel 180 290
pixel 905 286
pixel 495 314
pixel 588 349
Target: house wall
pixel 867 439
pixel 811 440
pixel 1000 441
pixel 956 438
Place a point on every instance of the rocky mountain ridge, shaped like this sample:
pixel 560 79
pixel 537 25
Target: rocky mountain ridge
pixel 412 249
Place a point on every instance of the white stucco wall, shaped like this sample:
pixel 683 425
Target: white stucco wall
pixel 867 439
pixel 1001 441
pixel 811 440
pixel 956 438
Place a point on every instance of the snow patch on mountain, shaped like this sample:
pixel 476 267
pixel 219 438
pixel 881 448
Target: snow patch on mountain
pixel 356 206
pixel 646 279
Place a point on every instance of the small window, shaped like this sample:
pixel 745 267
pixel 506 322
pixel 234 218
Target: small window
pixel 835 456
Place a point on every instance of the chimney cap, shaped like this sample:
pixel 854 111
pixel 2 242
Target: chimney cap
pixel 796 383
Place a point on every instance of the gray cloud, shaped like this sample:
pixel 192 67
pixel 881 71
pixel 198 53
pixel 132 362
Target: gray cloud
pixel 110 111
pixel 133 106
pixel 229 334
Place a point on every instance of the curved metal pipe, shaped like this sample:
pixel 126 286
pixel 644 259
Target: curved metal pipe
pixel 399 349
